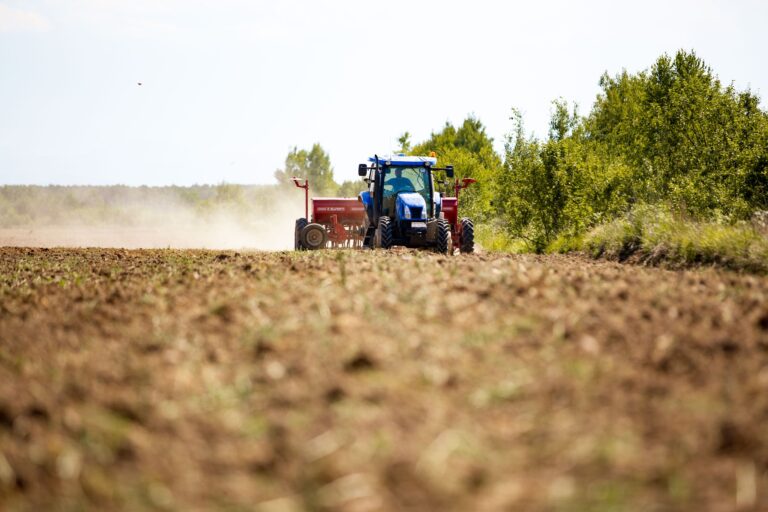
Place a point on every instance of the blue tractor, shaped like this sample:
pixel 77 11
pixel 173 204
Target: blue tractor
pixel 403 208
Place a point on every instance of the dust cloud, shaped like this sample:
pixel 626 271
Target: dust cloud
pixel 258 218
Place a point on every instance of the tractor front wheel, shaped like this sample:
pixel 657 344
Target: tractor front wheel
pixel 313 236
pixel 300 225
pixel 467 240
pixel 383 237
pixel 444 241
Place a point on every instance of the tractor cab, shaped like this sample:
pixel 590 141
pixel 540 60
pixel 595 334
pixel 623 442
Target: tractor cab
pixel 407 191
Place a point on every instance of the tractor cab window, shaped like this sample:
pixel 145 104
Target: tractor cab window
pixel 406 179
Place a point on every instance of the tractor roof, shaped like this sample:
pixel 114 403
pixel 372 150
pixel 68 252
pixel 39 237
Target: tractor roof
pixel 405 161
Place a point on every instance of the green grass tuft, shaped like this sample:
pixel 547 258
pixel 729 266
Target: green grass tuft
pixel 495 239
pixel 654 235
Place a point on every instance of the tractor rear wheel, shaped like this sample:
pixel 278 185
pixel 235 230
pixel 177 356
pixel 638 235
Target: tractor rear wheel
pixel 383 237
pixel 300 225
pixel 313 236
pixel 444 241
pixel 467 241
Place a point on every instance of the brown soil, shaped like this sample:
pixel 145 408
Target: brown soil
pixel 198 380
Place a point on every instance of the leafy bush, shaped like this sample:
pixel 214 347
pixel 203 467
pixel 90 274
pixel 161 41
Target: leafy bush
pixel 494 238
pixel 656 234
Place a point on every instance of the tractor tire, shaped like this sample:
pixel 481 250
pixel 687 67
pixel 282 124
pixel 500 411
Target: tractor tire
pixel 313 236
pixel 444 241
pixel 300 225
pixel 467 241
pixel 384 237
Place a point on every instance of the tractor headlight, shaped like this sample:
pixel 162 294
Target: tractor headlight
pixel 406 213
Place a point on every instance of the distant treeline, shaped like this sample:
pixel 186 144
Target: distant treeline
pixel 127 206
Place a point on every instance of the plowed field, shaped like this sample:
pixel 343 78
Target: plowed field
pixel 199 380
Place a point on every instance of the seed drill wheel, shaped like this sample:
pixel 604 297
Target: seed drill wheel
pixel 313 236
pixel 300 225
pixel 467 242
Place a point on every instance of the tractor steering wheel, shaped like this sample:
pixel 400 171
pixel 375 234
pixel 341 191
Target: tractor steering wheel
pixel 405 189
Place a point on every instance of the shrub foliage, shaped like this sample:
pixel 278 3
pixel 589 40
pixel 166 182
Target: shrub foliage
pixel 672 135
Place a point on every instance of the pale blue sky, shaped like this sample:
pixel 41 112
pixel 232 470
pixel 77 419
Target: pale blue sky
pixel 229 86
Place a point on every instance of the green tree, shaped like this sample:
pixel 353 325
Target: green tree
pixel 562 122
pixel 405 142
pixel 313 165
pixel 691 142
pixel 533 187
pixel 351 188
pixel 470 150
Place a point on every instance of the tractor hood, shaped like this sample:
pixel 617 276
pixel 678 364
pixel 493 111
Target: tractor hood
pixel 411 206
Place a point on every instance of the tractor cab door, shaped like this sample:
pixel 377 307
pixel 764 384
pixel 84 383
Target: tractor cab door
pixel 374 187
